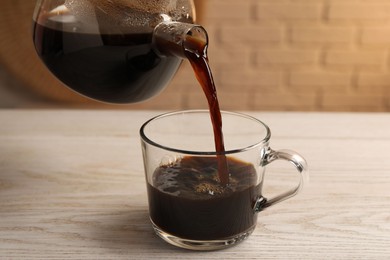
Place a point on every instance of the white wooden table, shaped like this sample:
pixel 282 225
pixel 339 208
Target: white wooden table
pixel 72 187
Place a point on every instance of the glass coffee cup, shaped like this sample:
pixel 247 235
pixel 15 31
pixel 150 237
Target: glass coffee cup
pixel 189 207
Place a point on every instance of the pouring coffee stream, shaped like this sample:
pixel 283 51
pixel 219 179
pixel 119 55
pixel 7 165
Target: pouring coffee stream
pixel 200 64
pixel 193 44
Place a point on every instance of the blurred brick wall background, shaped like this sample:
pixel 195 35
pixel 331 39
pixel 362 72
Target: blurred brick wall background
pixel 303 55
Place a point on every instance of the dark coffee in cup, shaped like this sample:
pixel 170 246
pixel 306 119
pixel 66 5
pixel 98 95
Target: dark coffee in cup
pixel 188 205
pixel 187 200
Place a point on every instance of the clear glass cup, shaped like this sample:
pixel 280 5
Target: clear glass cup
pixel 188 206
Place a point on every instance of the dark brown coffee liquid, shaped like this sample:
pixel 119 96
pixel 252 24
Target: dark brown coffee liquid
pixel 196 52
pixel 115 68
pixel 187 200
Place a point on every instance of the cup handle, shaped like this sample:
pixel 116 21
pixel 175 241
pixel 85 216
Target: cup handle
pixel 300 164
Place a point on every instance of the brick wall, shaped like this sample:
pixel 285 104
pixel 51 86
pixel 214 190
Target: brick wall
pixel 309 55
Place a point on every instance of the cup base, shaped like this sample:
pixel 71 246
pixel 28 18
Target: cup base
pixel 202 245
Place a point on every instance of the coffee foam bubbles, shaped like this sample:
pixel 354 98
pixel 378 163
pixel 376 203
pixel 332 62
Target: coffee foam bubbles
pixel 114 15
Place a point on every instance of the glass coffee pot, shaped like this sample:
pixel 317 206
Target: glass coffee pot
pixel 118 51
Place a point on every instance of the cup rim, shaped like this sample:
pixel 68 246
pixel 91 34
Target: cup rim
pixel 182 151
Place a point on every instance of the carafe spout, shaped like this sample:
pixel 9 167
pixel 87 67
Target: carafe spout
pixel 177 38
